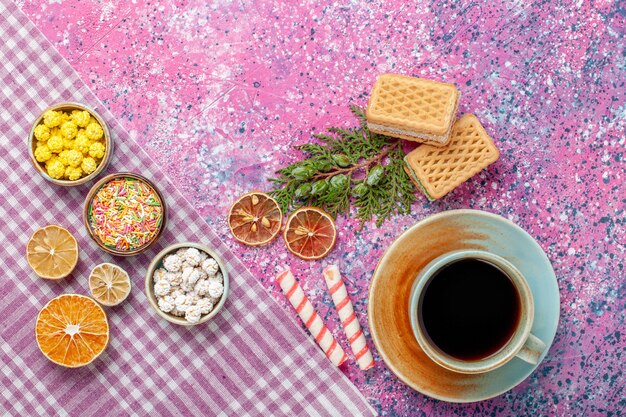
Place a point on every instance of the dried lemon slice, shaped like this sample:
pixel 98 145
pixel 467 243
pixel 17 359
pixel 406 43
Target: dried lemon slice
pixel 310 233
pixel 52 252
pixel 109 284
pixel 255 218
pixel 72 330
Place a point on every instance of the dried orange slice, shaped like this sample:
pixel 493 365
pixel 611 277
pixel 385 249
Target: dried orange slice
pixel 72 330
pixel 109 284
pixel 310 233
pixel 255 218
pixel 52 252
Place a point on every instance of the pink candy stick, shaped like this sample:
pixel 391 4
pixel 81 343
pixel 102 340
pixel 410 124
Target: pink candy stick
pixel 350 323
pixel 311 319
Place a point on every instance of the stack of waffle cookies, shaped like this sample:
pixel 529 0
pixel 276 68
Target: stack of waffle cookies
pixel 424 111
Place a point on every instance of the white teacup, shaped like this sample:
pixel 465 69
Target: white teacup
pixel 521 344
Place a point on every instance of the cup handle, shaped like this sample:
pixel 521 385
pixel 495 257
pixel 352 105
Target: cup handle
pixel 532 350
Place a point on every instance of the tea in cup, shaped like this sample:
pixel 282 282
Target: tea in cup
pixel 472 311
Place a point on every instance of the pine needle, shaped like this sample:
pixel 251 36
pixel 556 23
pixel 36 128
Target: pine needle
pixel 348 166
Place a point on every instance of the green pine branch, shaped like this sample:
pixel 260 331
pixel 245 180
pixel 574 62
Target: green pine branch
pixel 348 166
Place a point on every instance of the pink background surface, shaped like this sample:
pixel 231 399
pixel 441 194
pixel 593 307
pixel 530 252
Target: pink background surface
pixel 218 92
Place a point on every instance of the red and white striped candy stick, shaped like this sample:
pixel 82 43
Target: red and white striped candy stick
pixel 350 323
pixel 309 316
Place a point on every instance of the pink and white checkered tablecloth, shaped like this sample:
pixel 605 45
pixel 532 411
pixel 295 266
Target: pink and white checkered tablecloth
pixel 251 359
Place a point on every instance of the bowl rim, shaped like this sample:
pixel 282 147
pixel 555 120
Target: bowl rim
pixel 92 193
pixel 108 151
pixel 149 286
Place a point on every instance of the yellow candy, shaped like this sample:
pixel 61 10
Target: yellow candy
pixel 96 150
pixel 42 132
pixel 69 130
pixel 55 131
pixel 52 118
pixel 51 160
pixel 94 131
pixel 42 153
pixel 81 134
pixel 56 169
pixel 82 143
pixel 63 156
pixel 89 165
pixel 81 117
pixel 55 144
pixel 69 144
pixel 73 173
pixel 73 158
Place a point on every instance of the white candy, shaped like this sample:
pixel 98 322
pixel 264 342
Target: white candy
pixel 186 272
pixel 192 257
pixel 176 292
pixel 182 303
pixel 193 314
pixel 210 266
pixel 162 288
pixel 193 277
pixel 175 278
pixel 185 284
pixel 190 284
pixel 217 277
pixel 190 275
pixel 193 299
pixel 159 274
pixel 172 263
pixel 202 287
pixel 166 304
pixel 216 288
pixel 213 300
pixel 205 305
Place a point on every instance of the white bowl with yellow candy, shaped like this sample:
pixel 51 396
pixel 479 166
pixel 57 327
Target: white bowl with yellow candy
pixel 70 144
